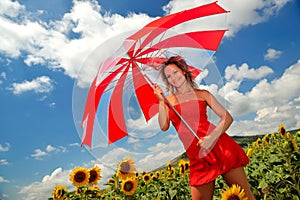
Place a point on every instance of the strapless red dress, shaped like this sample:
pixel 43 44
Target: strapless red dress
pixel 225 155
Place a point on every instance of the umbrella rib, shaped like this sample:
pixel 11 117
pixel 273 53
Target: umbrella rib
pixel 154 52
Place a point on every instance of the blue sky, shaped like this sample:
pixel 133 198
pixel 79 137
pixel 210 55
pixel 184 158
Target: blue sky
pixel 43 52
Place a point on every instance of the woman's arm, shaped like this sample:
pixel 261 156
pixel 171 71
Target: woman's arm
pixel 224 123
pixel 163 111
pixel 163 116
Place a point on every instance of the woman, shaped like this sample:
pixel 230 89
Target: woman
pixel 215 153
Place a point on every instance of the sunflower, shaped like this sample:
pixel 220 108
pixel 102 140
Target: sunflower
pixel 112 183
pixel 96 187
pixel 79 176
pixel 249 152
pixel 169 166
pixel 187 165
pixel 95 191
pixel 172 171
pixel 182 171
pixel 137 175
pixel 266 140
pixel 126 168
pixel 181 163
pixel 94 175
pixel 59 192
pixel 273 136
pixel 143 173
pixel 146 178
pixel 181 166
pixel 281 130
pixel 154 178
pixel 157 173
pixel 79 190
pixel 234 192
pixel 257 143
pixel 129 186
pixel 294 143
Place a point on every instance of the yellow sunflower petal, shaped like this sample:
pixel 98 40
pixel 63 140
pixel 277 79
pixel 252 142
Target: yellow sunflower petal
pixel 146 178
pixel 281 130
pixel 59 192
pixel 80 176
pixel 94 175
pixel 129 186
pixel 126 168
pixel 234 192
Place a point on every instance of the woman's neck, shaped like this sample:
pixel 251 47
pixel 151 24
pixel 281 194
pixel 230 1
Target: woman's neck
pixel 184 89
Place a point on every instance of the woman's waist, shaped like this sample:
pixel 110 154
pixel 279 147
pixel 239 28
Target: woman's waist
pixel 198 127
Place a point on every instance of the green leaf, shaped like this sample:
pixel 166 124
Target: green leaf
pixel 172 193
pixel 262 184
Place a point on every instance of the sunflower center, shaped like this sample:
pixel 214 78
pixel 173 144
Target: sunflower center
pixel 125 167
pixel 186 166
pixel 282 131
pixel 79 177
pixel 146 178
pixel 181 169
pixel 128 186
pixel 59 193
pixel 93 176
pixel 233 197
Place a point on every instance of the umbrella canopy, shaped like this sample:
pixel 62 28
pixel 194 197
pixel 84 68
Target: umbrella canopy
pixel 142 54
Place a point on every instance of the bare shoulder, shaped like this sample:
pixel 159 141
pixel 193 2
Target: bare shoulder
pixel 203 94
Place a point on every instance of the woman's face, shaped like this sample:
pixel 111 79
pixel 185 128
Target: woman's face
pixel 174 75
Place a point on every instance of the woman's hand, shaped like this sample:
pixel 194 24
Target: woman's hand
pixel 207 143
pixel 158 92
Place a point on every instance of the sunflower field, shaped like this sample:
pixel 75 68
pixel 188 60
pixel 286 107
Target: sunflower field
pixel 273 173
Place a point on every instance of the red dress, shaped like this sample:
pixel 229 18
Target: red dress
pixel 225 155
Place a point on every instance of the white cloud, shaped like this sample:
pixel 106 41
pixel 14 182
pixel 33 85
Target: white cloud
pixel 10 8
pixel 42 84
pixel 50 148
pixel 243 72
pixel 4 162
pixel 3 180
pixel 5 147
pixel 272 54
pixel 271 102
pixel 74 144
pixel 50 44
pixel 4 196
pixel 53 175
pixel 52 105
pixel 39 154
pixel 43 189
pixel 3 75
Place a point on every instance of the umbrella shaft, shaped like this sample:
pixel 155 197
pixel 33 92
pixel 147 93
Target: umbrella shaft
pixel 181 118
